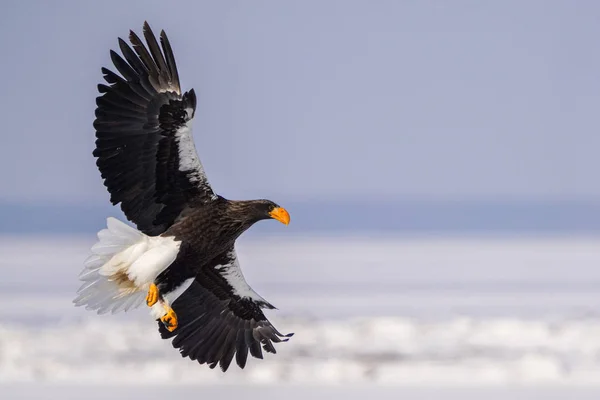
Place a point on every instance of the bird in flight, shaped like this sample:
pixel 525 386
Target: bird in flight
pixel 181 259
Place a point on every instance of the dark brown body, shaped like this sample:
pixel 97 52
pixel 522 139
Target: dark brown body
pixel 207 230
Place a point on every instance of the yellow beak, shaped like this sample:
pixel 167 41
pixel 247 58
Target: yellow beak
pixel 281 215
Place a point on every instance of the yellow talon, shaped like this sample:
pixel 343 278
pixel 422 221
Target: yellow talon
pixel 169 320
pixel 152 296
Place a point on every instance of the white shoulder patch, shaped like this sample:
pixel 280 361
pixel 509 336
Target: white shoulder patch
pixel 188 156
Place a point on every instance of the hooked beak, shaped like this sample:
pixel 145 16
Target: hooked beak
pixel 281 215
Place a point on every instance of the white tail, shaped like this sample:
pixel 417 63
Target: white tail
pixel 123 264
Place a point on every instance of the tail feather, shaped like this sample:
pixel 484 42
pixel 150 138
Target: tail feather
pixel 98 292
pixel 121 230
pixel 118 236
pixel 92 265
pixel 130 302
pixel 124 262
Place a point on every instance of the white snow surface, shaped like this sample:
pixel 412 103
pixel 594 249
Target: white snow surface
pixel 365 310
pixel 394 350
pixel 292 392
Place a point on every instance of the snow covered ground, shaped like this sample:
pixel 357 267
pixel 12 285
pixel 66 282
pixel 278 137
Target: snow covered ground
pixel 391 351
pixel 290 392
pixel 399 314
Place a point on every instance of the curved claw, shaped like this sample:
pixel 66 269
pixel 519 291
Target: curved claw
pixel 169 320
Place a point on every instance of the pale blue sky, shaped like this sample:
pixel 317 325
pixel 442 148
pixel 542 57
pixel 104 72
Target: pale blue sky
pixel 323 99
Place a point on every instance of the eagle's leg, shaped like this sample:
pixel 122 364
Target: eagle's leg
pixel 161 308
pixel 152 296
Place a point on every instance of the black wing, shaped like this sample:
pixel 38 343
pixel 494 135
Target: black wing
pixel 220 316
pixel 144 145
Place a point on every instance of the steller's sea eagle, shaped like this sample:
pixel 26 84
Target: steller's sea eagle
pixel 181 259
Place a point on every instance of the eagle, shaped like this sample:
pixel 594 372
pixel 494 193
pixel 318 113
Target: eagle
pixel 180 258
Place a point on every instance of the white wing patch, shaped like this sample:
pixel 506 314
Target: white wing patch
pixel 188 157
pixel 233 275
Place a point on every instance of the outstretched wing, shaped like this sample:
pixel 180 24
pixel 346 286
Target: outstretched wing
pixel 220 316
pixel 144 145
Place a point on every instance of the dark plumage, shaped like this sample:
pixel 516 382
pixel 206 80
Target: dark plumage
pixel 146 155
